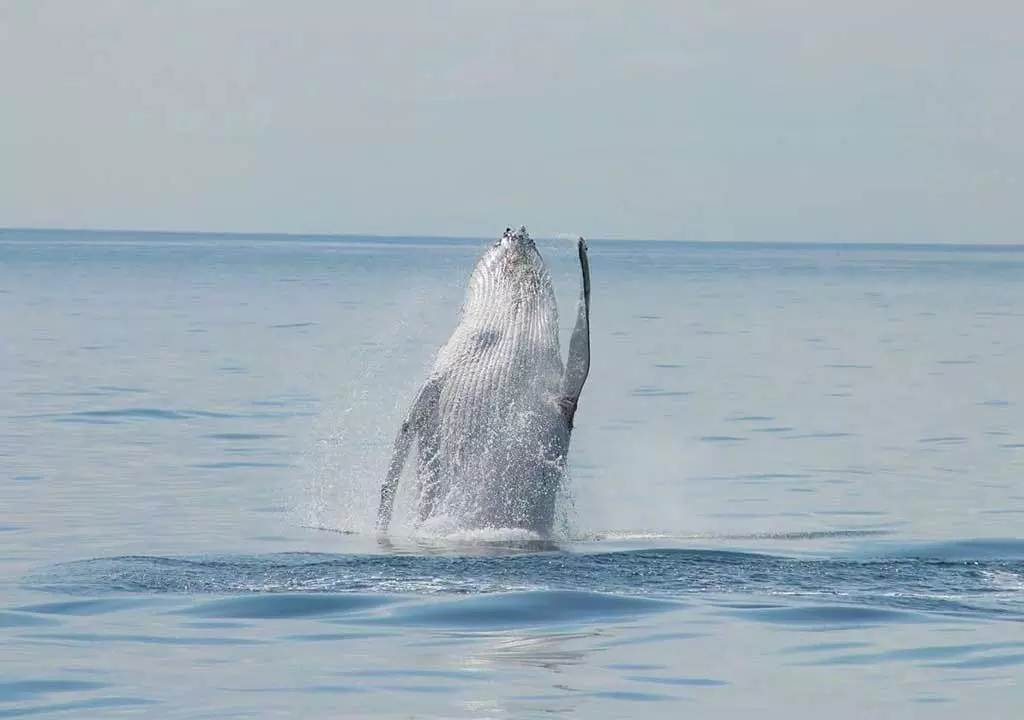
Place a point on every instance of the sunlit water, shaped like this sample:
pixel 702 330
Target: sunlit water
pixel 798 486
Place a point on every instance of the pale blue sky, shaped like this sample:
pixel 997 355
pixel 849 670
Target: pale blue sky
pixel 703 120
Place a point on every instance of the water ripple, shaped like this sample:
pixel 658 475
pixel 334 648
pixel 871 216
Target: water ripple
pixel 284 606
pixel 898 585
pixel 111 416
pixel 523 609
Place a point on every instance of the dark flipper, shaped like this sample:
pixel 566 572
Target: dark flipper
pixel 411 429
pixel 577 365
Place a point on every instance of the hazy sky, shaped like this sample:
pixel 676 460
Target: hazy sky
pixel 707 120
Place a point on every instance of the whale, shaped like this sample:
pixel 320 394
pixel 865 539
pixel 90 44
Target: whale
pixel 492 422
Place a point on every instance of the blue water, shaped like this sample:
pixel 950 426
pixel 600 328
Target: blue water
pixel 797 486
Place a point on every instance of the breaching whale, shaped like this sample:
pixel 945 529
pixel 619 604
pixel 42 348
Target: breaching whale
pixel 493 419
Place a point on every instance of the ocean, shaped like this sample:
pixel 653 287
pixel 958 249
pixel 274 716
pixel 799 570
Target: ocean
pixel 797 485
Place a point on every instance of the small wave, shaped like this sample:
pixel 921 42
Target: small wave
pixel 21 690
pixel 238 464
pixel 649 391
pixel 241 437
pixel 82 607
pixel 1005 581
pixel 284 605
pixel 114 415
pixel 831 616
pixel 22 619
pixel 991 588
pixel 522 609
pixel 656 535
pixel 978 549
pixel 625 535
pixel 290 326
pixel 111 416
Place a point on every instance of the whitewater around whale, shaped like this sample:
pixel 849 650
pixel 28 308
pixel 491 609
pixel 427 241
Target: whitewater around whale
pixel 493 420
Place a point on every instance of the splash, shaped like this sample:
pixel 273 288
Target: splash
pixel 492 455
pixel 341 470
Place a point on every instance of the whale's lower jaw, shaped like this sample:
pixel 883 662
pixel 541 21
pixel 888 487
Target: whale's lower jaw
pixel 495 493
pixel 500 449
pixel 497 436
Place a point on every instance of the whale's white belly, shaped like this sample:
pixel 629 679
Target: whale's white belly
pixel 499 443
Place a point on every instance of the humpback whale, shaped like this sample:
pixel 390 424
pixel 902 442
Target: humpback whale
pixel 493 419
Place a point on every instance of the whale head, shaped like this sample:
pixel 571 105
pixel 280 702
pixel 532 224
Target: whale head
pixel 513 257
pixel 516 240
pixel 511 275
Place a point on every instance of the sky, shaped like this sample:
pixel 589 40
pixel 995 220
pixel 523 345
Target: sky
pixel 715 120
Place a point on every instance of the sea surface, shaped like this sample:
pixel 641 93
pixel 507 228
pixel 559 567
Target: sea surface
pixel 797 486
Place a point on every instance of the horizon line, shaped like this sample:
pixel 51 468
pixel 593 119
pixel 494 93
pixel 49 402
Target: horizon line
pixel 400 236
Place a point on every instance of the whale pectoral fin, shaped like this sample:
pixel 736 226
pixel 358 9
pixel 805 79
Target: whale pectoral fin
pixel 403 442
pixel 412 428
pixel 577 365
pixel 428 470
pixel 567 406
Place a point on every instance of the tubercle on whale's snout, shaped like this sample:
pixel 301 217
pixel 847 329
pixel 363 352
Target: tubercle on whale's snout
pixel 513 253
pixel 514 238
